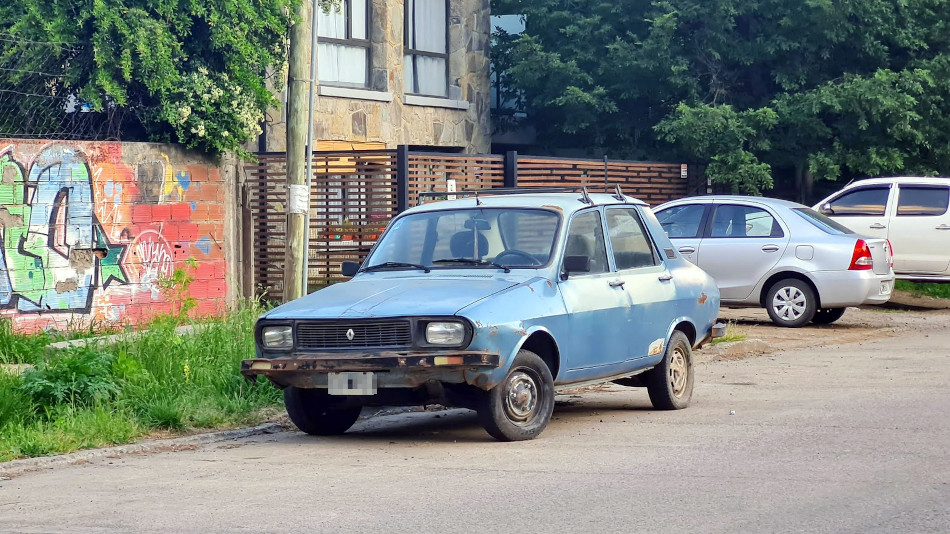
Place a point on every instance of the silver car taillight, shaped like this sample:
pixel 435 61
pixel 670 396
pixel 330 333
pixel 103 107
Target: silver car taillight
pixel 861 257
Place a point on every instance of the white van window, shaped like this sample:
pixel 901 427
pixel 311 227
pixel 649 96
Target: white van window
pixel 922 200
pixel 865 201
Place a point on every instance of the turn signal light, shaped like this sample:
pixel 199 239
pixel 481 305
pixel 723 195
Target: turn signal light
pixel 861 258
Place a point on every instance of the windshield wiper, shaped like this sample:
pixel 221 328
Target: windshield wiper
pixel 393 265
pixel 472 261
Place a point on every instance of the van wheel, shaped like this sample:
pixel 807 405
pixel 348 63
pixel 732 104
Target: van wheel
pixel 827 315
pixel 317 413
pixel 790 302
pixel 670 384
pixel 521 405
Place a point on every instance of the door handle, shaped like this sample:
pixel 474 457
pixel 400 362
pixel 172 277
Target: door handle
pixel 877 226
pixel 665 277
pixel 770 248
pixel 616 283
pixel 687 250
pixel 943 227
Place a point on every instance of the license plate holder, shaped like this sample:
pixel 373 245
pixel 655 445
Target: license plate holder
pixel 885 288
pixel 351 383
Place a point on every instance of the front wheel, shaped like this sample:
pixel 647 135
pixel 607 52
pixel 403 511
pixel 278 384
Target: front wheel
pixel 521 405
pixel 317 413
pixel 790 302
pixel 670 384
pixel 827 315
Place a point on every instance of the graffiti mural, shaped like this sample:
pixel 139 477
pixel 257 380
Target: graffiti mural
pixel 90 229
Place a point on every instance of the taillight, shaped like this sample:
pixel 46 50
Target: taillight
pixel 861 258
pixel 890 252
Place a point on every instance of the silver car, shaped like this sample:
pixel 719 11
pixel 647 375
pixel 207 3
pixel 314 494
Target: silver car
pixel 785 257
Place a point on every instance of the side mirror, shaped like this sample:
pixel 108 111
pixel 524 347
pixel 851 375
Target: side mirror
pixel 576 264
pixel 826 209
pixel 350 268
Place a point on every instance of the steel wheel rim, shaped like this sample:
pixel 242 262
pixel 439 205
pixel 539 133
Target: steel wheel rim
pixel 789 303
pixel 679 372
pixel 521 397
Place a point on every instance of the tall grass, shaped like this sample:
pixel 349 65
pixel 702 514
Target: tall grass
pixel 107 394
pixel 940 291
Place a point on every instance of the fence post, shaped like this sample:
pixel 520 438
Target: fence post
pixel 402 178
pixel 606 186
pixel 511 169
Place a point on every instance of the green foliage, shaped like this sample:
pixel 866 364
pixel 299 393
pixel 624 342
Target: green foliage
pixel 18 348
pixel 192 72
pixel 83 378
pixel 922 289
pixel 114 393
pixel 811 90
pixel 175 289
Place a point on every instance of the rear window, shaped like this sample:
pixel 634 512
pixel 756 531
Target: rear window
pixel 824 223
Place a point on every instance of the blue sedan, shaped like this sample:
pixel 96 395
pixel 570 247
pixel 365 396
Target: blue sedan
pixel 491 302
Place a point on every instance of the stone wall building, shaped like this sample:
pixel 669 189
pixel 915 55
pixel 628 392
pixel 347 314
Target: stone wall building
pixel 400 72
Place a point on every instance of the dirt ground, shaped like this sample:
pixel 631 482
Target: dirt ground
pixel 903 313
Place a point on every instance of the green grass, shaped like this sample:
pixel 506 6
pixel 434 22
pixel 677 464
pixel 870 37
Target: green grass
pixel 110 394
pixel 733 333
pixel 940 291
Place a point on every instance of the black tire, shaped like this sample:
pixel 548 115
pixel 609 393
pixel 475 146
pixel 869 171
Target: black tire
pixel 791 303
pixel 520 406
pixel 827 315
pixel 670 383
pixel 317 413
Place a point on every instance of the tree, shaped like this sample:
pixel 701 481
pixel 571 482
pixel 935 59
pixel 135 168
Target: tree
pixel 814 89
pixel 192 72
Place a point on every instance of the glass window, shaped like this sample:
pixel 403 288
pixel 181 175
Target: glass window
pixel 630 244
pixel 865 201
pixel 469 234
pixel 682 221
pixel 586 238
pixel 744 221
pixel 922 200
pixel 343 44
pixel 824 223
pixel 426 47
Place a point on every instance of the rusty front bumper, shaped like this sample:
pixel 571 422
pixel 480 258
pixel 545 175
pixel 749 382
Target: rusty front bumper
pixel 309 363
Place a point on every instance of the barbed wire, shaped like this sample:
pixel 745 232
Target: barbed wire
pixel 37 100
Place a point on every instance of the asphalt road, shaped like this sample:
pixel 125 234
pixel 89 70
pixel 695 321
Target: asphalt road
pixel 849 438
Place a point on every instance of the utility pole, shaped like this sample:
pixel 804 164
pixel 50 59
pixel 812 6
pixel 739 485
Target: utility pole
pixel 298 195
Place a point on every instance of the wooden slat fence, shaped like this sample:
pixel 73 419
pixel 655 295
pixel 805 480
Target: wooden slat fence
pixel 434 173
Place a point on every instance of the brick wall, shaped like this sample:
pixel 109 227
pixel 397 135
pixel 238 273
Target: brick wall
pixel 90 228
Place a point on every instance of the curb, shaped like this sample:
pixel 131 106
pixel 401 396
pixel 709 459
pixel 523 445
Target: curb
pixel 15 468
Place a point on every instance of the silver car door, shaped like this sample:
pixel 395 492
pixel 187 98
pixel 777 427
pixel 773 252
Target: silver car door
pixel 683 224
pixel 743 243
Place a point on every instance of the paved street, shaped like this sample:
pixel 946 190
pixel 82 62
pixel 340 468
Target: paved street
pixel 850 438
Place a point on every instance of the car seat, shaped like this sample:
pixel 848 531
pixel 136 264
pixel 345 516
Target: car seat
pixel 462 244
pixel 582 245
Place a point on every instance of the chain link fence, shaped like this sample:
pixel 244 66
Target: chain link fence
pixel 37 100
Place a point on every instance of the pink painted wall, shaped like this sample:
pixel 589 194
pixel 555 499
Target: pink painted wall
pixel 89 229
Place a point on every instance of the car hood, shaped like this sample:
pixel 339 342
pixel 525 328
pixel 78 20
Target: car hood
pixel 374 296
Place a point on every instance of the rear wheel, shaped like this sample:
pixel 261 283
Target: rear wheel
pixel 670 384
pixel 317 413
pixel 790 302
pixel 521 405
pixel 827 315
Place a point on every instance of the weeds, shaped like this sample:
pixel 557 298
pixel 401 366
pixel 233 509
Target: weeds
pixel 105 394
pixel 733 333
pixel 918 289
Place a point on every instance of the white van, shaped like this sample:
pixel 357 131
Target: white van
pixel 911 212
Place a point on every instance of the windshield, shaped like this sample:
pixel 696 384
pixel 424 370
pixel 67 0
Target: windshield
pixel 466 238
pixel 819 220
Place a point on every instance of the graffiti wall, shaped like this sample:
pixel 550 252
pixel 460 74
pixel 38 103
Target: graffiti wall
pixel 93 231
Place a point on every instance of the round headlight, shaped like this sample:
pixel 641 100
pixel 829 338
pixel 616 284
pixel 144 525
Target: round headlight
pixel 277 337
pixel 444 333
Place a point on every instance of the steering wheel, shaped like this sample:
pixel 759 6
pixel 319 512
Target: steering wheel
pixel 531 260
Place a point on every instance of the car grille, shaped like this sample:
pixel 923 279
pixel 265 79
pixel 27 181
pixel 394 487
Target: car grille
pixel 333 335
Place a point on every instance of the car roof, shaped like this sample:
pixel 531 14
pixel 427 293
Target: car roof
pixel 899 180
pixel 774 202
pixel 564 202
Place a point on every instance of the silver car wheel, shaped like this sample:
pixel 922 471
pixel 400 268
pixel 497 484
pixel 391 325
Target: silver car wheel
pixel 679 372
pixel 789 303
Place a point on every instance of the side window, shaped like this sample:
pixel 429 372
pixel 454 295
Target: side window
pixel 631 245
pixel 744 221
pixel 867 201
pixel 922 200
pixel 682 221
pixel 586 238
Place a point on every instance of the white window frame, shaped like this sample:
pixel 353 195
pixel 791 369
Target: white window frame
pixel 350 42
pixel 411 54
